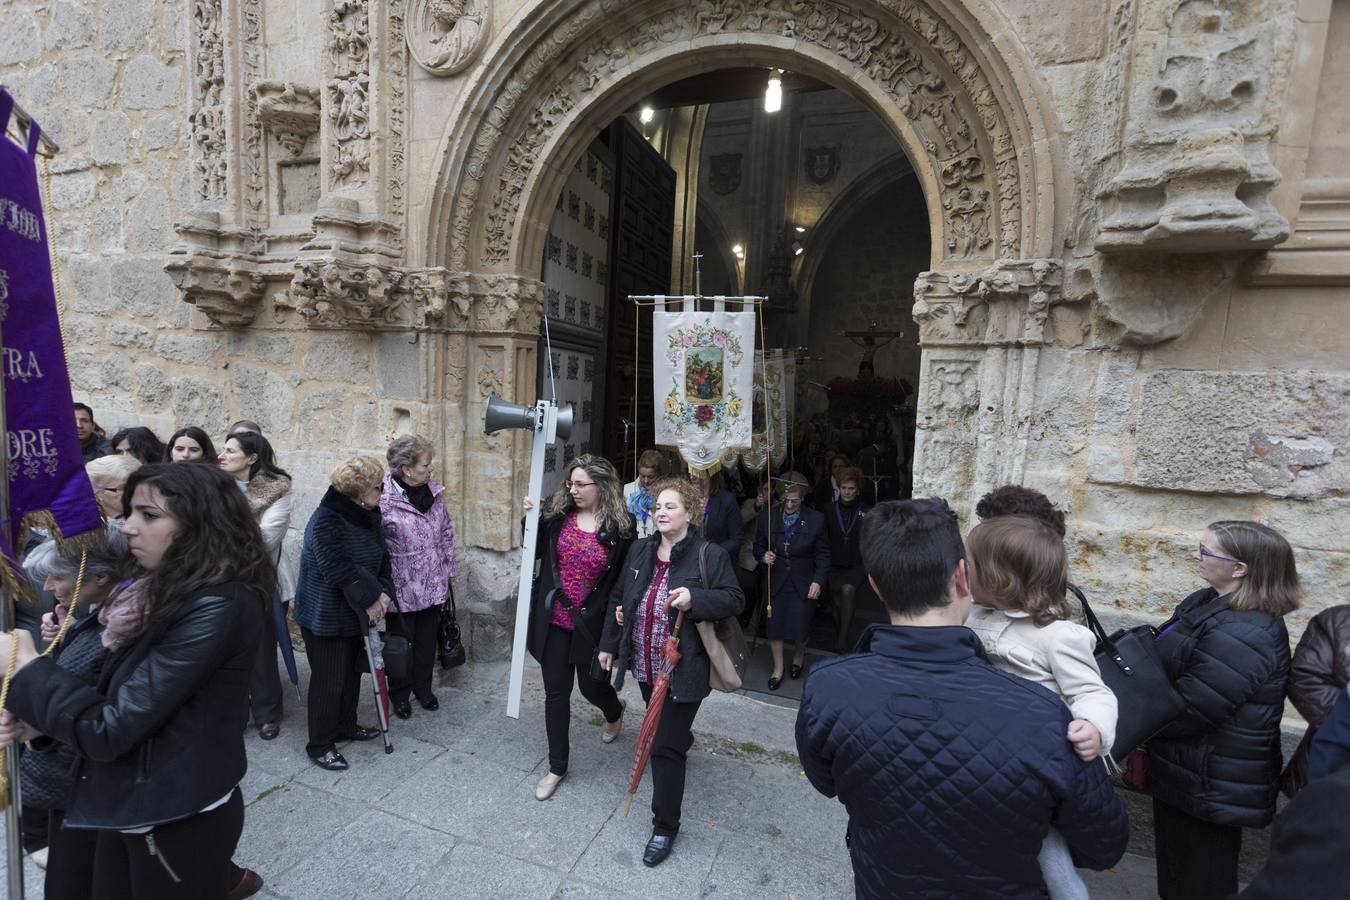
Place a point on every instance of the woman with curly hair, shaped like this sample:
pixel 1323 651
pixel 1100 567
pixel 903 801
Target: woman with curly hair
pixel 583 540
pixel 159 740
pixel 669 571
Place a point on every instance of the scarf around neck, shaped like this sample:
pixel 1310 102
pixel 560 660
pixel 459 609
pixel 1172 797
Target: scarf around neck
pixel 124 615
pixel 421 496
pixel 640 504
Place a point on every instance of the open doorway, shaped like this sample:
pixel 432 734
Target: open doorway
pixel 700 187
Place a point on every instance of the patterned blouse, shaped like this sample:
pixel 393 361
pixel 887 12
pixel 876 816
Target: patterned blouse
pixel 652 626
pixel 581 561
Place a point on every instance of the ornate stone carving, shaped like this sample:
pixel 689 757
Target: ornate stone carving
pixel 339 294
pixel 1007 303
pixel 345 91
pixel 251 65
pixel 909 51
pixel 228 289
pixel 1195 173
pixel 288 110
pixel 207 120
pixel 446 35
pixel 396 67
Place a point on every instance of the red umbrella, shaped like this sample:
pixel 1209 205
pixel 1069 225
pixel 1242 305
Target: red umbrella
pixel 669 657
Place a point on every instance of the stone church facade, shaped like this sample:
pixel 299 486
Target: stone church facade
pixel 329 215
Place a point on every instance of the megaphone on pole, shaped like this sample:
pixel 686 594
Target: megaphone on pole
pixel 548 424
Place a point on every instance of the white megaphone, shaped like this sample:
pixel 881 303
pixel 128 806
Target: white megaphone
pixel 548 424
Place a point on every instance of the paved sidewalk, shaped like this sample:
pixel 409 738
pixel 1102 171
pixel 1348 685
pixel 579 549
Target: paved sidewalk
pixel 451 811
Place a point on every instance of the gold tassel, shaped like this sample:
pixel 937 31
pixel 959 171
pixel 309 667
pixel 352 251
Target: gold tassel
pixel 6 789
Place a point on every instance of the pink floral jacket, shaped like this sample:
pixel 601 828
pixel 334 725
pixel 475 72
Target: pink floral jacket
pixel 421 547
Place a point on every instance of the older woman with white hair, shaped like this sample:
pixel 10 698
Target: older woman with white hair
pixel 108 475
pixel 421 540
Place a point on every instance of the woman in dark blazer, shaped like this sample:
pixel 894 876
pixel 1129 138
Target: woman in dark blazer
pixel 664 574
pixel 582 542
pixel 843 522
pixel 344 587
pixel 721 513
pixel 1214 771
pixel 791 542
pixel 158 739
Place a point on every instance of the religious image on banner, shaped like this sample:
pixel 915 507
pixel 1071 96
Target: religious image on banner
pixel 770 408
pixel 703 374
pixel 48 487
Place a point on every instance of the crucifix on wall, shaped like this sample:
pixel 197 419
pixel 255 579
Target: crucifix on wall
pixel 871 341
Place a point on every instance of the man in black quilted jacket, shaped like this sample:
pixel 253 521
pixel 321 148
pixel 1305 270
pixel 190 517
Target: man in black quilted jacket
pixel 952 771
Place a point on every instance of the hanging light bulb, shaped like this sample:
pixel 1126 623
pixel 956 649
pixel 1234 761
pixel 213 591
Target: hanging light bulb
pixel 738 251
pixel 646 115
pixel 773 95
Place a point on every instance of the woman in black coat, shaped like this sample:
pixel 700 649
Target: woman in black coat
pixel 160 738
pixel 791 542
pixel 721 513
pixel 580 551
pixel 1318 674
pixel 1215 769
pixel 843 522
pixel 663 574
pixel 345 586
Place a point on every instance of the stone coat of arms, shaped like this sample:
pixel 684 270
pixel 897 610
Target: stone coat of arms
pixel 724 173
pixel 822 164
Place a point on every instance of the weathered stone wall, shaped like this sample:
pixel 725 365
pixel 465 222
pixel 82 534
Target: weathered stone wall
pixel 1151 361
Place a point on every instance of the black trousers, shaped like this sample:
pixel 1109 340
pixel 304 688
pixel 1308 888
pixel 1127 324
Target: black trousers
pixel 670 750
pixel 264 682
pixel 189 859
pixel 70 860
pixel 334 688
pixel 1197 860
pixel 559 673
pixel 422 632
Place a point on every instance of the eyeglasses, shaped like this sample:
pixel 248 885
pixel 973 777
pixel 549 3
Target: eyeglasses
pixel 580 484
pixel 111 490
pixel 1206 552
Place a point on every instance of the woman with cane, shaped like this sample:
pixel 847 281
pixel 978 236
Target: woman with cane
pixel 673 570
pixel 791 542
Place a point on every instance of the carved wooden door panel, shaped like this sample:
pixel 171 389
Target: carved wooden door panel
pixel 642 237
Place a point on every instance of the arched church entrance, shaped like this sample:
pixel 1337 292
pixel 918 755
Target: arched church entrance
pixel 960 108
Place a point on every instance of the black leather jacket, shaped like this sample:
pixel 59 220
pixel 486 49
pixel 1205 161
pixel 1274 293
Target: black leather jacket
pixel 161 736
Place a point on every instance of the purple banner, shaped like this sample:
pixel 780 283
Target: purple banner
pixel 47 483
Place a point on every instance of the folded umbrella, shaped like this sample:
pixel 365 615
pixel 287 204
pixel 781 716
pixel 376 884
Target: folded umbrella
pixel 284 642
pixel 670 655
pixel 375 656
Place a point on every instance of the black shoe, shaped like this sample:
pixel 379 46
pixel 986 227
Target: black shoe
pixel 269 730
pixel 249 884
pixel 430 703
pixel 795 672
pixel 775 682
pixel 362 733
pixel 403 709
pixel 333 761
pixel 658 848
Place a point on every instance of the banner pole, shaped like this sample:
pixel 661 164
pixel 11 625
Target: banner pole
pixel 543 434
pixel 8 621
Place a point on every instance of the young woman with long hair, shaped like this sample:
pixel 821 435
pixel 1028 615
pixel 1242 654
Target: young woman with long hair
pixel 139 442
pixel 248 458
pixel 583 539
pixel 160 738
pixel 190 444
pixel 1215 770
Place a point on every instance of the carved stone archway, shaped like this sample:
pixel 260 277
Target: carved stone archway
pixel 944 76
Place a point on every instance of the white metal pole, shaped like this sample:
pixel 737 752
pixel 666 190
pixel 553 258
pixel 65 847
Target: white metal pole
pixel 544 429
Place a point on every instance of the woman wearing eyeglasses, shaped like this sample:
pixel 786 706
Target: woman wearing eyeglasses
pixel 108 476
pixel 790 540
pixel 1215 770
pixel 583 540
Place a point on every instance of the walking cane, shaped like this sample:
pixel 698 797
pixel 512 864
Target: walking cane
pixel 375 656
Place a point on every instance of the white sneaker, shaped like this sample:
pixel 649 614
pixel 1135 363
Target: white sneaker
pixel 40 858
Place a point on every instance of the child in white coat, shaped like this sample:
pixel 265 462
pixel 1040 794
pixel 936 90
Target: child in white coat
pixel 1018 574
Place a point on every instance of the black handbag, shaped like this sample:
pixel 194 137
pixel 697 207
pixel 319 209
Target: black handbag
pixel 397 651
pixel 449 640
pixel 1133 670
pixel 598 672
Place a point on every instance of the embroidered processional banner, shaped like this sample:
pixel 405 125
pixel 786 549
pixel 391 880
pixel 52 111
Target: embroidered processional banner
pixel 47 483
pixel 770 408
pixel 702 379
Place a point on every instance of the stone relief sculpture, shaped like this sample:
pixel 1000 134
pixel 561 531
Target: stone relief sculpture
pixel 879 48
pixel 207 122
pixel 446 35
pixel 345 92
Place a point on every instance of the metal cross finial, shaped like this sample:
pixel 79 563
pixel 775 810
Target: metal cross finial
pixel 698 275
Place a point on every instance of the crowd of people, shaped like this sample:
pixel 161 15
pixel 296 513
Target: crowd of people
pixel 967 734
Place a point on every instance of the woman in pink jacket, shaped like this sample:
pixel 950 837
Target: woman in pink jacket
pixel 421 542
